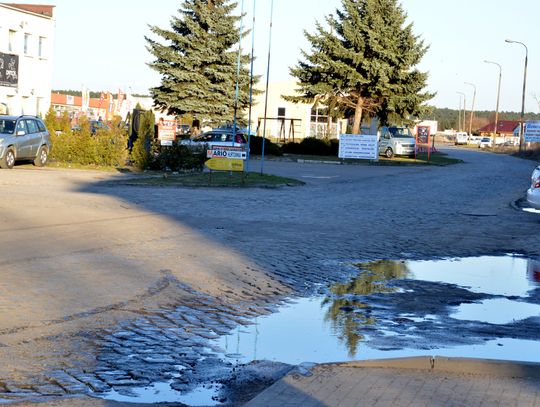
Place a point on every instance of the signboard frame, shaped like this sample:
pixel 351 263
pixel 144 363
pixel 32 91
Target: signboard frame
pixel 166 131
pixel 359 146
pixel 532 131
pixel 9 70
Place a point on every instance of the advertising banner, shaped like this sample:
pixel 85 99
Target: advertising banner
pixel 9 70
pixel 237 153
pixel 359 146
pixel 532 131
pixel 166 131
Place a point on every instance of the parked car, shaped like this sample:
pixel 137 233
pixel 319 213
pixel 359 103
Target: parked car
pixel 461 138
pixel 396 141
pixel 216 138
pixel 474 140
pixel 23 138
pixel 183 131
pixel 485 142
pixel 533 193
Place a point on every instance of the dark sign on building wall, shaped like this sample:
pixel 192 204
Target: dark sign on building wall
pixel 9 70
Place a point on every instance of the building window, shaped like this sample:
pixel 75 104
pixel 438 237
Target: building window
pixel 281 112
pixel 12 40
pixel 42 47
pixel 26 44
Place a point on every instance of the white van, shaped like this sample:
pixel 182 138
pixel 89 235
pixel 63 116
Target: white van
pixel 396 141
pixel 462 138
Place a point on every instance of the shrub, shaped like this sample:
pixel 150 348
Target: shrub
pixel 177 158
pixel 107 147
pixel 141 153
pixel 312 146
pixel 269 147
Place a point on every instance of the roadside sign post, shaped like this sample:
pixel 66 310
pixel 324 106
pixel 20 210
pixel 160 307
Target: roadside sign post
pixel 532 131
pixel 166 132
pixel 359 146
pixel 226 158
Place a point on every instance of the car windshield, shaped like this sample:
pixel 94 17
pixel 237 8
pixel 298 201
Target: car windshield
pixel 7 126
pixel 400 132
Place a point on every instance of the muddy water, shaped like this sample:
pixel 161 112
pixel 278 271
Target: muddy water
pixel 457 307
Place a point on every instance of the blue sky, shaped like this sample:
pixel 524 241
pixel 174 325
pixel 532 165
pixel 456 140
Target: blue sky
pixel 101 44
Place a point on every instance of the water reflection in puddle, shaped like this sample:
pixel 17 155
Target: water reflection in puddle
pixel 512 276
pixel 497 311
pixel 337 327
pixel 162 392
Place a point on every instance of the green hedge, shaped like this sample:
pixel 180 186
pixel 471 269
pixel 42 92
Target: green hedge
pixel 107 147
pixel 313 146
pixel 269 147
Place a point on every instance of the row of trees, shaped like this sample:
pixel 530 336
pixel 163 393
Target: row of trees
pixel 361 63
pixel 448 118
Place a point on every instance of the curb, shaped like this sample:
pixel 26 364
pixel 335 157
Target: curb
pixel 485 367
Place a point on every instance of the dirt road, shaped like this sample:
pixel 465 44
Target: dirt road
pixel 98 276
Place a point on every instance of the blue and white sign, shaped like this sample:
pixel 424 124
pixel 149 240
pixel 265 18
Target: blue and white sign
pixel 358 146
pixel 532 131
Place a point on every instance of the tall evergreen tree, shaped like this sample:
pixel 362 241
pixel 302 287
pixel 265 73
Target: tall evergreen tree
pixel 364 62
pixel 198 62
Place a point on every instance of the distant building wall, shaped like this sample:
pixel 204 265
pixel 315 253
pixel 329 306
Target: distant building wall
pixel 285 117
pixel 26 51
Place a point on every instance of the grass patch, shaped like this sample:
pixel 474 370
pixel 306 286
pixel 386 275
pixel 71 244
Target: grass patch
pixel 213 179
pixel 422 159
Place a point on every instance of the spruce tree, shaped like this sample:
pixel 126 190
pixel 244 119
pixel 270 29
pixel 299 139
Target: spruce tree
pixel 364 62
pixel 198 62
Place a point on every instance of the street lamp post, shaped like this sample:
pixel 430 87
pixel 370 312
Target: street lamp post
pixel 521 127
pixel 461 126
pixel 498 96
pixel 472 107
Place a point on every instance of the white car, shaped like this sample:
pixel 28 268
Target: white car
pixel 533 193
pixel 474 140
pixel 485 142
pixel 461 138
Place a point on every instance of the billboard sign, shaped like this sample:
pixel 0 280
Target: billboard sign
pixel 532 131
pixel 225 164
pixel 9 70
pixel 167 130
pixel 237 153
pixel 358 146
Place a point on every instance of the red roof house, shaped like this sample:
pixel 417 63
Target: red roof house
pixel 504 127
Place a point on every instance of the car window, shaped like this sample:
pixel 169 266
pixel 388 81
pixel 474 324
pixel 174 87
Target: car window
pixel 204 137
pixel 7 126
pixel 32 127
pixel 21 127
pixel 41 126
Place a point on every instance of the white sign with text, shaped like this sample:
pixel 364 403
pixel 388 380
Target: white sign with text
pixel 358 146
pixel 532 131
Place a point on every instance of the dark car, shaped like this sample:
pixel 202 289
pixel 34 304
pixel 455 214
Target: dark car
pixel 183 131
pixel 23 138
pixel 217 138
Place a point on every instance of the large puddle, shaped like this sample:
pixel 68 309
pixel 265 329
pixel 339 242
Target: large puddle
pixel 339 326
pixel 487 307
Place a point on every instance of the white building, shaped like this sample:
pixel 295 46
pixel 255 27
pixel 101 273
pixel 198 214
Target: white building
pixel 287 120
pixel 26 45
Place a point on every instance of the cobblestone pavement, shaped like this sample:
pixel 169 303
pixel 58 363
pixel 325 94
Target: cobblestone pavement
pixel 108 287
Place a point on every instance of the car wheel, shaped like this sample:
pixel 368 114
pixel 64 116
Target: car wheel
pixel 9 159
pixel 389 153
pixel 42 156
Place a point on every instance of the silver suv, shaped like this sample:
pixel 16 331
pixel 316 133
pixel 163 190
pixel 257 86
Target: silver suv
pixel 23 138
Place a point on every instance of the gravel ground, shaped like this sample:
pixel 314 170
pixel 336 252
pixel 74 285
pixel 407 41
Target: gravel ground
pixel 107 286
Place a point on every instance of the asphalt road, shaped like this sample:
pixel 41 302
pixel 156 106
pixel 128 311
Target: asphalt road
pixel 98 275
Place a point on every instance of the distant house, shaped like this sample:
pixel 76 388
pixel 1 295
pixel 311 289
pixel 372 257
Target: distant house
pixel 507 130
pixel 504 128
